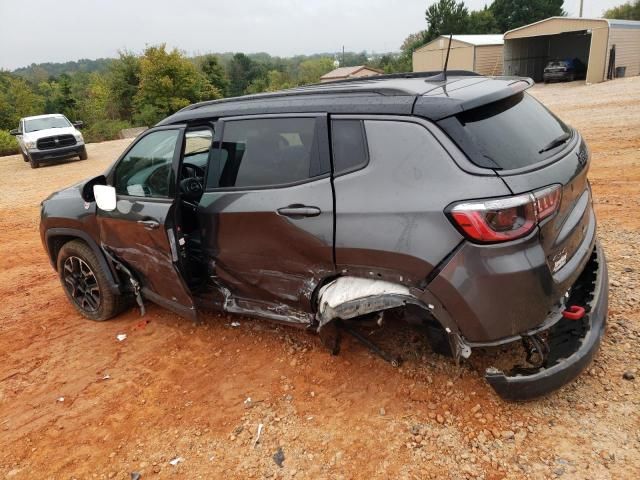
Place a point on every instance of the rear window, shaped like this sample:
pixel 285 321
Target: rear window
pixel 512 133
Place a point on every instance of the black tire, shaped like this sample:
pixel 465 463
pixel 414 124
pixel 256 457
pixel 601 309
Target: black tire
pixel 83 154
pixel 34 163
pixel 85 283
pixel 24 156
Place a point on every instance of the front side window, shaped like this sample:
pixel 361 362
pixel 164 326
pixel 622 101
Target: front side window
pixel 266 152
pixel 147 170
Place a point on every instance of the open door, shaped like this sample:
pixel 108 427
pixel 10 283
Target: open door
pixel 140 231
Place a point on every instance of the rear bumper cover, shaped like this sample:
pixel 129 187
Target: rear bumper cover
pixel 573 343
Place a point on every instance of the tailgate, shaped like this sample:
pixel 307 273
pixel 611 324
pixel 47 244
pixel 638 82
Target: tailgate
pixel 567 236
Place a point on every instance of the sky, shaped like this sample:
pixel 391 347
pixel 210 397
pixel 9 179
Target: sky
pixel 36 31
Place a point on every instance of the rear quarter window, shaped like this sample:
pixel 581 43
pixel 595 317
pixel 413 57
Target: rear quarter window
pixel 512 133
pixel 349 145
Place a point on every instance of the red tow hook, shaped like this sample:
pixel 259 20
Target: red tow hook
pixel 574 312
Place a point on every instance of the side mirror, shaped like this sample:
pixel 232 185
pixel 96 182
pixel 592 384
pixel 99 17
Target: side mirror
pixel 78 123
pixel 105 196
pixel 14 132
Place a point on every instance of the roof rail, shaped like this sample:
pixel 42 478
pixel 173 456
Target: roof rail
pixel 329 87
pixel 391 76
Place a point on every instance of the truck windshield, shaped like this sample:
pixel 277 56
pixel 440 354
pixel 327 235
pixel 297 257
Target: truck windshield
pixel 512 133
pixel 36 124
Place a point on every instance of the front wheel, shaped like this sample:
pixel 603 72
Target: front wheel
pixel 24 156
pixel 83 154
pixel 34 163
pixel 85 282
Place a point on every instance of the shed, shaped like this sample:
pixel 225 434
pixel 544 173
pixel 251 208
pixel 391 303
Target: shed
pixel 344 73
pixel 478 53
pixel 601 44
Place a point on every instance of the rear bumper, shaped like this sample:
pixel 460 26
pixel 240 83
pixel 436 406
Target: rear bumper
pixel 57 153
pixel 573 344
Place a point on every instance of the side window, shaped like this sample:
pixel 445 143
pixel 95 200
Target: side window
pixel 349 145
pixel 146 170
pixel 266 152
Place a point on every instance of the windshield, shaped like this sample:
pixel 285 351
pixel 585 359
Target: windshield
pixel 511 133
pixel 35 124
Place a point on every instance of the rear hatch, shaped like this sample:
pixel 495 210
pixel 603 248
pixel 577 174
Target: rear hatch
pixel 530 148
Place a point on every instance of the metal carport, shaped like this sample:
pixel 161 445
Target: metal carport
pixel 528 49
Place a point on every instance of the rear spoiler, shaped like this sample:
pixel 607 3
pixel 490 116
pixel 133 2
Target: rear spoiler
pixel 439 103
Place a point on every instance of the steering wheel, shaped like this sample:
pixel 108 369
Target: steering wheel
pixel 191 184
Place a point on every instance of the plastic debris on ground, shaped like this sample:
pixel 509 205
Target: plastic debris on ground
pixel 121 337
pixel 257 437
pixel 278 457
pixel 176 461
pixel 235 324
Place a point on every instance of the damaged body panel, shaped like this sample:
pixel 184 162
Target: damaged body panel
pixel 457 203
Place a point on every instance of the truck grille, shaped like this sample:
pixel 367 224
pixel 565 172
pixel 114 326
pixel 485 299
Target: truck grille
pixel 55 142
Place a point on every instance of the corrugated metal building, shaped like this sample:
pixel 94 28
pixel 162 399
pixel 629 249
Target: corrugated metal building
pixel 528 49
pixel 478 53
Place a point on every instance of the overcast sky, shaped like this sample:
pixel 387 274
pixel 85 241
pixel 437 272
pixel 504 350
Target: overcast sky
pixel 35 31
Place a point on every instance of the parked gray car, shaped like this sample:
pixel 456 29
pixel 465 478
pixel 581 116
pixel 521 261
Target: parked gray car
pixel 460 203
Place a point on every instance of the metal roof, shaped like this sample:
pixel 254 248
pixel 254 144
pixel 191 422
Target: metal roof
pixel 477 40
pixel 346 71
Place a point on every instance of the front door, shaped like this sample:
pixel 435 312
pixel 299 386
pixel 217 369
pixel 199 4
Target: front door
pixel 140 232
pixel 267 213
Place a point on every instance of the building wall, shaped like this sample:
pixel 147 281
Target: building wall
pixel 598 55
pixel 554 26
pixel 627 42
pixel 488 60
pixel 431 57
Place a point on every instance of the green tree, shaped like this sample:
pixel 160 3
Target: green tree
pixel 482 22
pixel 510 14
pixel 626 11
pixel 168 82
pixel 124 79
pixel 17 99
pixel 311 70
pixel 242 72
pixel 214 72
pixel 445 17
pixel 273 81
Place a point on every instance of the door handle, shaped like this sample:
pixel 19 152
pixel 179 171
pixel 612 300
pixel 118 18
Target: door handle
pixel 149 224
pixel 299 211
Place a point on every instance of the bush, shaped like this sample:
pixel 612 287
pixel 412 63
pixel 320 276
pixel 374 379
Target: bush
pixel 105 130
pixel 8 144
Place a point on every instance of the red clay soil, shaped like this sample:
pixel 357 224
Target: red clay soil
pixel 77 403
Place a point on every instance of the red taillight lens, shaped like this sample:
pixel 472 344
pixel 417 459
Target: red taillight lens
pixel 504 219
pixel 547 201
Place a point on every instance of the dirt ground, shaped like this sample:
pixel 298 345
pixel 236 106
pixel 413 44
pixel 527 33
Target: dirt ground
pixel 77 403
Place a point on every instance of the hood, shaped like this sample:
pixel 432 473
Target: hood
pixel 48 132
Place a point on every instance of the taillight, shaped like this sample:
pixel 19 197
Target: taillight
pixel 504 219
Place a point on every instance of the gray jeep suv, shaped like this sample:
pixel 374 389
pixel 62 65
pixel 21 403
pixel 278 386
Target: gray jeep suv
pixel 460 198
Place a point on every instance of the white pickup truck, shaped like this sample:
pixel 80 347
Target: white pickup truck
pixel 49 137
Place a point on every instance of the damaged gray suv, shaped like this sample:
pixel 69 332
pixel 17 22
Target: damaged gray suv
pixel 460 198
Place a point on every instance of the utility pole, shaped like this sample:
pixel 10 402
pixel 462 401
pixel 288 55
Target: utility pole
pixel 581 4
pixel 343 55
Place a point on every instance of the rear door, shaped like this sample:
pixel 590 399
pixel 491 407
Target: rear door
pixel 140 232
pixel 267 212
